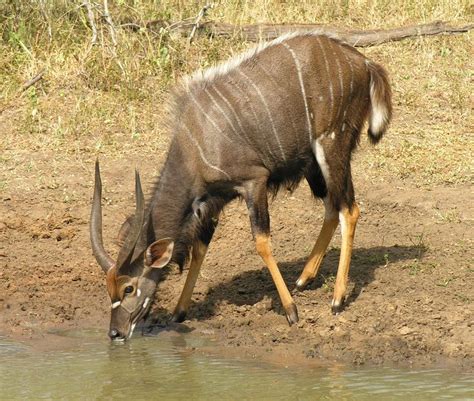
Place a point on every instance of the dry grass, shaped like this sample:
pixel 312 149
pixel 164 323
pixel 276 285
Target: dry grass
pixel 97 100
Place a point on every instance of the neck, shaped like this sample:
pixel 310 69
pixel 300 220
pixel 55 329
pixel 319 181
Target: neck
pixel 171 205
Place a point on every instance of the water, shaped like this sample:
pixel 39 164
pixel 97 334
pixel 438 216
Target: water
pixel 166 367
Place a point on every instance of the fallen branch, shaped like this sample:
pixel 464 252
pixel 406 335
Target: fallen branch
pixel 32 81
pixel 357 38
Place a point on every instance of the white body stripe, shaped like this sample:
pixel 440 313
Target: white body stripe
pixel 303 92
pixel 278 86
pixel 208 117
pixel 318 151
pixel 331 94
pixel 341 86
pixel 249 104
pixel 237 118
pixel 351 86
pixel 267 110
pixel 222 111
pixel 145 304
pixel 201 153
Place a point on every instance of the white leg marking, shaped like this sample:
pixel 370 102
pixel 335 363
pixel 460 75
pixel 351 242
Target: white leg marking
pixel 303 92
pixel 116 304
pixel 329 212
pixel 201 153
pixel 321 159
pixel 331 94
pixel 219 130
pixel 267 110
pixel 342 220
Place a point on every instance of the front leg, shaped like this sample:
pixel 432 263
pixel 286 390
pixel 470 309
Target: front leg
pixel 257 203
pixel 198 254
pixel 200 246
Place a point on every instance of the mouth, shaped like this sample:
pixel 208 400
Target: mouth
pixel 141 315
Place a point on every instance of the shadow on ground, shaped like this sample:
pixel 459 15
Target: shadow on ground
pixel 252 286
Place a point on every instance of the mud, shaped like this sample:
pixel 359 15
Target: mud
pixel 410 295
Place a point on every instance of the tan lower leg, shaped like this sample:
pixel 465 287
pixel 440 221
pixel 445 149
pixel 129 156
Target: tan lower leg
pixel 312 265
pixel 264 250
pixel 348 219
pixel 198 254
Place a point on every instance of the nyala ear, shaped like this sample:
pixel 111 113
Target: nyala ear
pixel 159 253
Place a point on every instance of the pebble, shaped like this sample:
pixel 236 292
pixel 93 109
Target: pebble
pixel 405 330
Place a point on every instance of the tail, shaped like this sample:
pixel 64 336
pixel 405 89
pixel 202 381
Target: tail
pixel 380 112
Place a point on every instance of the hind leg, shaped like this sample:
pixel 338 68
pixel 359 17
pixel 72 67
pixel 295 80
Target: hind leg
pixel 348 217
pixel 316 182
pixel 333 158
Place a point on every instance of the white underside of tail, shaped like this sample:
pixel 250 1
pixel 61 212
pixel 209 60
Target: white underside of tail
pixel 379 114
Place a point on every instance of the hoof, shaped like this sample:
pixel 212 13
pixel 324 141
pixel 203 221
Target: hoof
pixel 301 284
pixel 337 306
pixel 178 317
pixel 291 314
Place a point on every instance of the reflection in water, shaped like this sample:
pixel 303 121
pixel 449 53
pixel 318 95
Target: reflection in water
pixel 165 367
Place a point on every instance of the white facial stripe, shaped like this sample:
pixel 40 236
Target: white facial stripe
pixel 116 304
pixel 201 153
pixel 145 304
pixel 267 110
pixel 139 292
pixel 303 92
pixel 131 329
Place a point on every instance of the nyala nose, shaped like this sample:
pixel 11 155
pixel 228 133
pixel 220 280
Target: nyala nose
pixel 114 334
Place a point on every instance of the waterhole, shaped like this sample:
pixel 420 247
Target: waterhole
pixel 85 366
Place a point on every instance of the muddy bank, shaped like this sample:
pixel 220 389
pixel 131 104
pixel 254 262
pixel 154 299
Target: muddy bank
pixel 409 302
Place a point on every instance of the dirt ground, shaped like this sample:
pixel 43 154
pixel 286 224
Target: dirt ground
pixel 410 298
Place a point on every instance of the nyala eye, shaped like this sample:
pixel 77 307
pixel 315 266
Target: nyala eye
pixel 128 289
